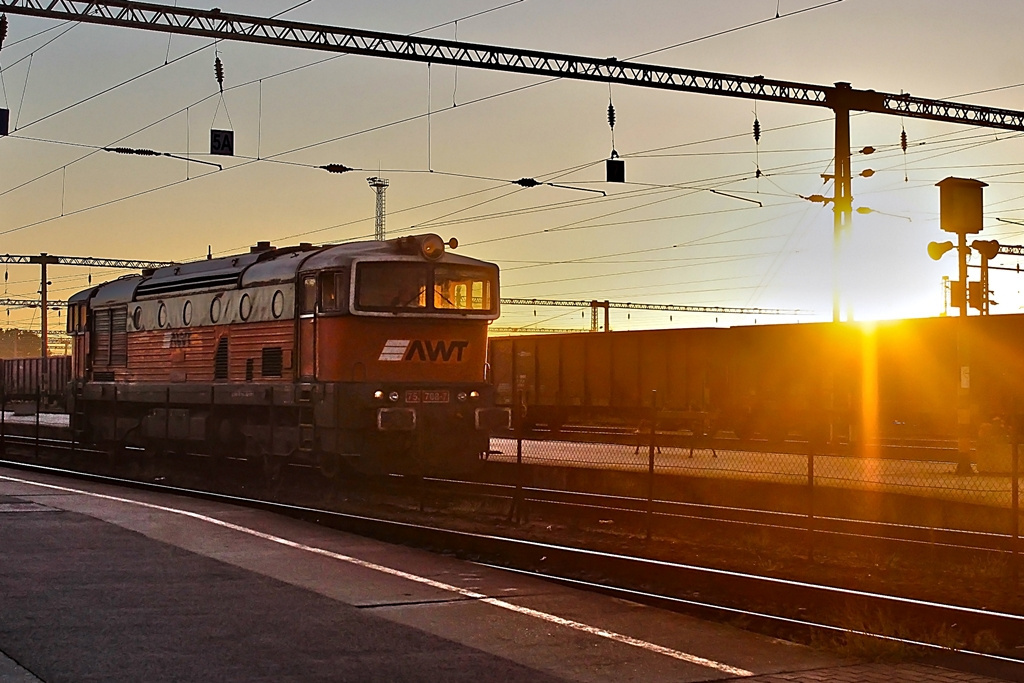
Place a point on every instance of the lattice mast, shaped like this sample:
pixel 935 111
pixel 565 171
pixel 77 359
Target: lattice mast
pixel 380 186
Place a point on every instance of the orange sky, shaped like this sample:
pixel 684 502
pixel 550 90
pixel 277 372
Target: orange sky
pixel 648 240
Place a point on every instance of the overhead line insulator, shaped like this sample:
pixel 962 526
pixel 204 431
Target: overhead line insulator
pixel 218 71
pixel 133 150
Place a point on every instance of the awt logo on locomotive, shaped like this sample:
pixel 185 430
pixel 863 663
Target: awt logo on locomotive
pixel 417 349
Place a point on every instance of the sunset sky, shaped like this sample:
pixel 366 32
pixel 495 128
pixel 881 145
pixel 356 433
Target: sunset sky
pixel 660 238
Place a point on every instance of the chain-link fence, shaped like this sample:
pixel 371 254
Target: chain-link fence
pixel 909 497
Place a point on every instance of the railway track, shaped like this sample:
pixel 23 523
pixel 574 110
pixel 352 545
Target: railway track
pixel 525 500
pixel 807 611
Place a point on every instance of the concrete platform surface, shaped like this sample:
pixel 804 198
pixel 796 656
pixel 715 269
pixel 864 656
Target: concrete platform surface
pixel 104 584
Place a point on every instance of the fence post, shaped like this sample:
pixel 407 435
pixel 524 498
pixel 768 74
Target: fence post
pixel 74 406
pixel 810 504
pixel 1015 509
pixel 650 461
pixel 515 513
pixel 3 422
pixel 39 401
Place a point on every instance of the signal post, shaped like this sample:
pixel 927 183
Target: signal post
pixel 960 212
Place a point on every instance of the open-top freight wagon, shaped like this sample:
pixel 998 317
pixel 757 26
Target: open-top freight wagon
pixel 820 381
pixel 36 379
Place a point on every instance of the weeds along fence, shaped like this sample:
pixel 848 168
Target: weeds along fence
pixel 912 495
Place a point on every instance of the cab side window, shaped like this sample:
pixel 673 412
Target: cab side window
pixel 308 294
pixel 332 291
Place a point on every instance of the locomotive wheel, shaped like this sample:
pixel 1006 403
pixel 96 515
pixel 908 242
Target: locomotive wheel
pixel 330 465
pixel 271 466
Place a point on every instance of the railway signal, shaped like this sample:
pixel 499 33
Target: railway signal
pixel 960 212
pixel 841 97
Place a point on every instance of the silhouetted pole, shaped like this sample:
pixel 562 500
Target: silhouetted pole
pixel 842 203
pixel 44 259
pixel 960 212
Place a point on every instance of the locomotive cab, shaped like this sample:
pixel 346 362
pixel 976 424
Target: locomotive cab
pixel 402 338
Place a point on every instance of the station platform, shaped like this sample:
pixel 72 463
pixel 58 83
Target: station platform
pixel 105 584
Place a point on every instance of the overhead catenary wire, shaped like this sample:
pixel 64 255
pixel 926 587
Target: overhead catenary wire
pixel 185 109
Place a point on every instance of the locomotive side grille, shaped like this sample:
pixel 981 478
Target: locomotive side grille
pixel 220 359
pixel 101 337
pixel 119 336
pixel 272 363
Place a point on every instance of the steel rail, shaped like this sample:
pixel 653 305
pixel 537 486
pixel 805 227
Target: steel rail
pixel 666 509
pixel 520 552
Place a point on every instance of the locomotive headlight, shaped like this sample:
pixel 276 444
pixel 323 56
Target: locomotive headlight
pixel 432 247
pixel 474 395
pixel 393 397
pixel 378 394
pixel 461 396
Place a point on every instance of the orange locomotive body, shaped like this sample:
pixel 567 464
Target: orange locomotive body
pixel 370 353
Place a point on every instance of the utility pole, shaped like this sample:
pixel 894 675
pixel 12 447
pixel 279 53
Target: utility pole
pixel 842 201
pixel 43 260
pixel 380 186
pixel 595 306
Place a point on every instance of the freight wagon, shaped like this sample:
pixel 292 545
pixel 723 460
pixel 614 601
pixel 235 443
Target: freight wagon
pixel 819 382
pixel 23 379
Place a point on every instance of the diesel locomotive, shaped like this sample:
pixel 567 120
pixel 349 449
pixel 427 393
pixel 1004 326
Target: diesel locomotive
pixel 366 354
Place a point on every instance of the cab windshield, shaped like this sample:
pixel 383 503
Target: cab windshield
pixel 398 287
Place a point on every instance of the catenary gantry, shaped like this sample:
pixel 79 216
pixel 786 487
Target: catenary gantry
pixel 841 98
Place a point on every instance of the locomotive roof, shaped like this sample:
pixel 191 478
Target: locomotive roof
pixel 262 265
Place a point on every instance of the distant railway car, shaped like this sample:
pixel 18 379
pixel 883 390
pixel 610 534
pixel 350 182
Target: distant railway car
pixel 370 353
pixel 819 381
pixel 27 379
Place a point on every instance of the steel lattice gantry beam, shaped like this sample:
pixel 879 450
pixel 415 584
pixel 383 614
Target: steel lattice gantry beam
pixel 840 98
pixel 43 260
pixel 1011 249
pixel 595 306
pixel 54 305
pixel 126 264
pixel 580 303
pixel 225 26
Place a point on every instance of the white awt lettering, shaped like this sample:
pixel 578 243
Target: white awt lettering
pixel 423 350
pixel 394 350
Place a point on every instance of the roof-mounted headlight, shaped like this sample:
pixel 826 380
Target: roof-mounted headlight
pixel 432 247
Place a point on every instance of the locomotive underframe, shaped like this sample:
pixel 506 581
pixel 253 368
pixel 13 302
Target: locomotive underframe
pixel 327 425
